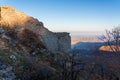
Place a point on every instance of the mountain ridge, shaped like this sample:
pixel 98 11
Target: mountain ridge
pixel 17 20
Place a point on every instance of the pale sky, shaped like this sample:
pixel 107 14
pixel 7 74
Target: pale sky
pixel 71 15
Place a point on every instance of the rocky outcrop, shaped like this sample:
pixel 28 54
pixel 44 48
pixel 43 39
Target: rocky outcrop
pixel 27 47
pixel 22 66
pixel 14 19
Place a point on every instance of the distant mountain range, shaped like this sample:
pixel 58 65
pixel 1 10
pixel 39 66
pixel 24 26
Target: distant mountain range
pixel 85 36
pixel 87 47
pixel 91 47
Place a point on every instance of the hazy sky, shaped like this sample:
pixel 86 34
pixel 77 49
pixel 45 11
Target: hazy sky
pixel 71 15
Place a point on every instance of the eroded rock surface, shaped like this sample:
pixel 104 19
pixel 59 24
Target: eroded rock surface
pixel 14 19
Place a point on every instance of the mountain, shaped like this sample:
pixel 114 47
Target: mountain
pixel 87 47
pixel 28 50
pixel 10 17
pixel 17 20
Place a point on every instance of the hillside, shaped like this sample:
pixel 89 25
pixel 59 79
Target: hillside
pixel 87 47
pixel 97 61
pixel 54 42
pixel 28 50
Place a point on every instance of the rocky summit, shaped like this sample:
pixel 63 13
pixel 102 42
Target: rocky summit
pixel 28 50
pixel 20 22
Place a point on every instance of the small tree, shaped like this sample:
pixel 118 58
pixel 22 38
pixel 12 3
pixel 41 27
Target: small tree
pixel 112 38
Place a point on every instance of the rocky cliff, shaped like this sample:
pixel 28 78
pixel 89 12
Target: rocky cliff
pixel 28 50
pixel 20 22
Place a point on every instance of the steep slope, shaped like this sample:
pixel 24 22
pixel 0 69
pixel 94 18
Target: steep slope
pixel 10 17
pixel 28 50
pixel 14 19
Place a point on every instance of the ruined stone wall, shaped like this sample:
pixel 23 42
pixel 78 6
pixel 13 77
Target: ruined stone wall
pixel 50 42
pixel 64 42
pixel 57 42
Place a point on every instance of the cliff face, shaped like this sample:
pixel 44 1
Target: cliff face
pixel 14 19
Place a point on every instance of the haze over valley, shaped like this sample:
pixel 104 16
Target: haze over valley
pixel 86 36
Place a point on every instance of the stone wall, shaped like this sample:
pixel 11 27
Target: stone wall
pixel 57 42
pixel 64 42
pixel 50 41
